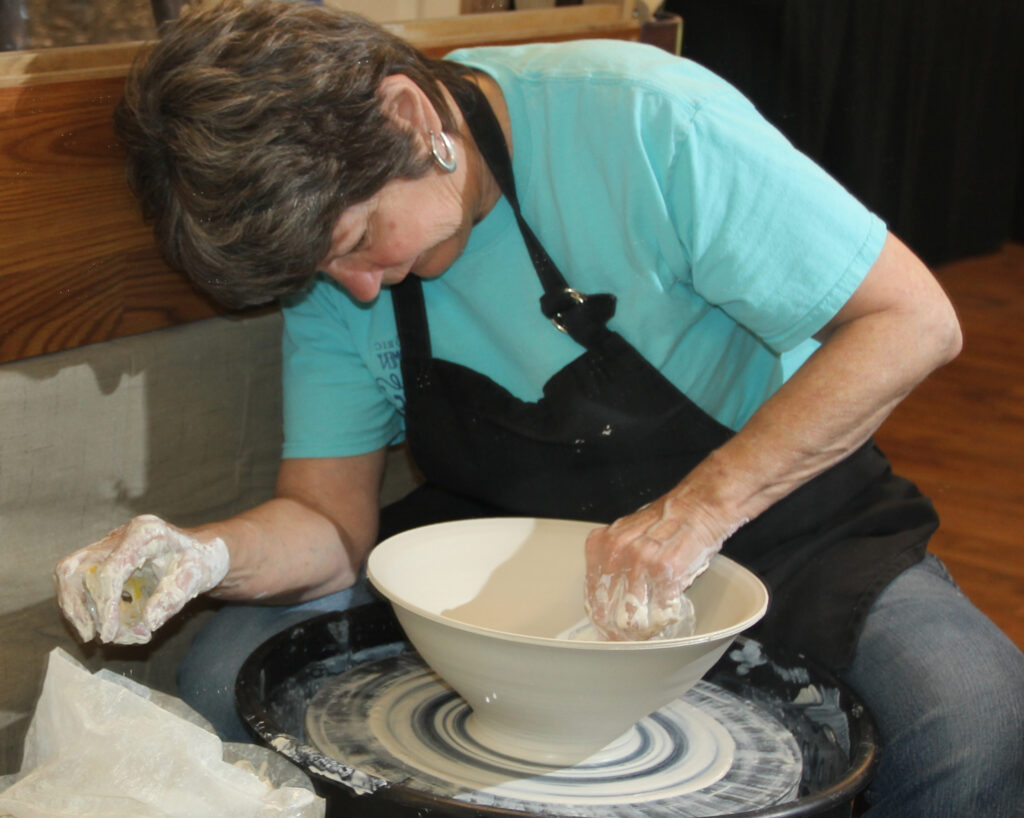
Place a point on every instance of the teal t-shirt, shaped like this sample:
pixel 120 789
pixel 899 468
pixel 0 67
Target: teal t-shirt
pixel 643 175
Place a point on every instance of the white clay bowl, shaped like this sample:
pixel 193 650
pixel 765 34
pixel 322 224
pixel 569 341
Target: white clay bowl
pixel 483 602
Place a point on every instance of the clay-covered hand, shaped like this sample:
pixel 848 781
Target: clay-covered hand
pixel 639 567
pixel 131 582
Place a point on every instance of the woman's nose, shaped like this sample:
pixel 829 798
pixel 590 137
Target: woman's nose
pixel 363 283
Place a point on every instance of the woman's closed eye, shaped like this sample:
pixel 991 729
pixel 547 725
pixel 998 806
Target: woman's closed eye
pixel 362 244
pixel 345 259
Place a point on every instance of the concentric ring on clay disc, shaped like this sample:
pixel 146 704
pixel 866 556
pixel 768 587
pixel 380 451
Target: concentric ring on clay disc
pixel 708 753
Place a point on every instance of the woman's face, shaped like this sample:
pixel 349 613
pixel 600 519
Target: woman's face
pixel 417 226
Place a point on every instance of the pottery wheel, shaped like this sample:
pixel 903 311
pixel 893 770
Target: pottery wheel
pixel 708 753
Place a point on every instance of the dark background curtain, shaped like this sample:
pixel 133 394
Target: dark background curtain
pixel 916 106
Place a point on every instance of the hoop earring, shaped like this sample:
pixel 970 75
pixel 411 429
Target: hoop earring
pixel 449 161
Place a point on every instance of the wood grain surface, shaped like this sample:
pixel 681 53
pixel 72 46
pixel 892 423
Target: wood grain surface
pixel 77 264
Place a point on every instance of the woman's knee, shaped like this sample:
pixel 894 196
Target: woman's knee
pixel 947 690
pixel 984 732
pixel 969 745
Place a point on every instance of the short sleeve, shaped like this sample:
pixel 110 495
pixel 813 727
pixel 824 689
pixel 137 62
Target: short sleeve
pixel 773 240
pixel 332 405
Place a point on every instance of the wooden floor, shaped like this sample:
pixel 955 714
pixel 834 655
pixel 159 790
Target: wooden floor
pixel 960 437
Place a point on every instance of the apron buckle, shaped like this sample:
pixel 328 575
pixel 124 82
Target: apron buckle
pixel 577 297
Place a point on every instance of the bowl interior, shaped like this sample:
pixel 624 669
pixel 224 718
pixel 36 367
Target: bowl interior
pixel 523 578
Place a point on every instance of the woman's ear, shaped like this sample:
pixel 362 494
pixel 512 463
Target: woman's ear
pixel 405 104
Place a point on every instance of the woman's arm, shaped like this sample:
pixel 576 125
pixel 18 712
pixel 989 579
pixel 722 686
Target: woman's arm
pixel 896 328
pixel 311 539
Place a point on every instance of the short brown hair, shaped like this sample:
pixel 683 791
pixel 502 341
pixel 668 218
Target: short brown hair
pixel 251 126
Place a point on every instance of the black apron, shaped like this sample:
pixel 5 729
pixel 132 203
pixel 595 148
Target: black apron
pixel 611 433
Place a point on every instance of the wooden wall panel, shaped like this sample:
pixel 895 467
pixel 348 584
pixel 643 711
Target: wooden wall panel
pixel 77 264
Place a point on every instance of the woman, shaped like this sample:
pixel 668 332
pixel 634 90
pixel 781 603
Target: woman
pixel 582 280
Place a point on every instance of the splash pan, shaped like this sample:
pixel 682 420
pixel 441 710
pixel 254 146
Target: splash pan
pixel 285 676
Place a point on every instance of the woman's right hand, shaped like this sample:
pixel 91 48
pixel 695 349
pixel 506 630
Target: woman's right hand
pixel 131 582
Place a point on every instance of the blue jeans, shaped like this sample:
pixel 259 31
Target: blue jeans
pixel 945 685
pixel 946 688
pixel 206 678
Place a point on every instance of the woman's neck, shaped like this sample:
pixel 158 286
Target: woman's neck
pixel 485 192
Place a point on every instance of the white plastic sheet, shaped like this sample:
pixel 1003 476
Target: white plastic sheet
pixel 100 745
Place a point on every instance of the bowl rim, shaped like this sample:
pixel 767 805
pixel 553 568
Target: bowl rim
pixel 573 644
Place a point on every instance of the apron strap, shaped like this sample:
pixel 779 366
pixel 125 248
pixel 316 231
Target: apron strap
pixel 580 315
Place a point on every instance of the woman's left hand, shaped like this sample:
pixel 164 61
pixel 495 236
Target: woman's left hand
pixel 639 566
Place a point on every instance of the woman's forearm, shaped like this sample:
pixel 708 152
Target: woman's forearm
pixel 894 330
pixel 897 329
pixel 281 551
pixel 311 539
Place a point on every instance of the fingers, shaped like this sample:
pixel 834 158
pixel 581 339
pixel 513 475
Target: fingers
pixel 187 576
pixel 169 597
pixel 196 568
pixel 131 582
pixel 72 596
pixel 638 569
pixel 112 587
pixel 617 585
pixel 74 575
